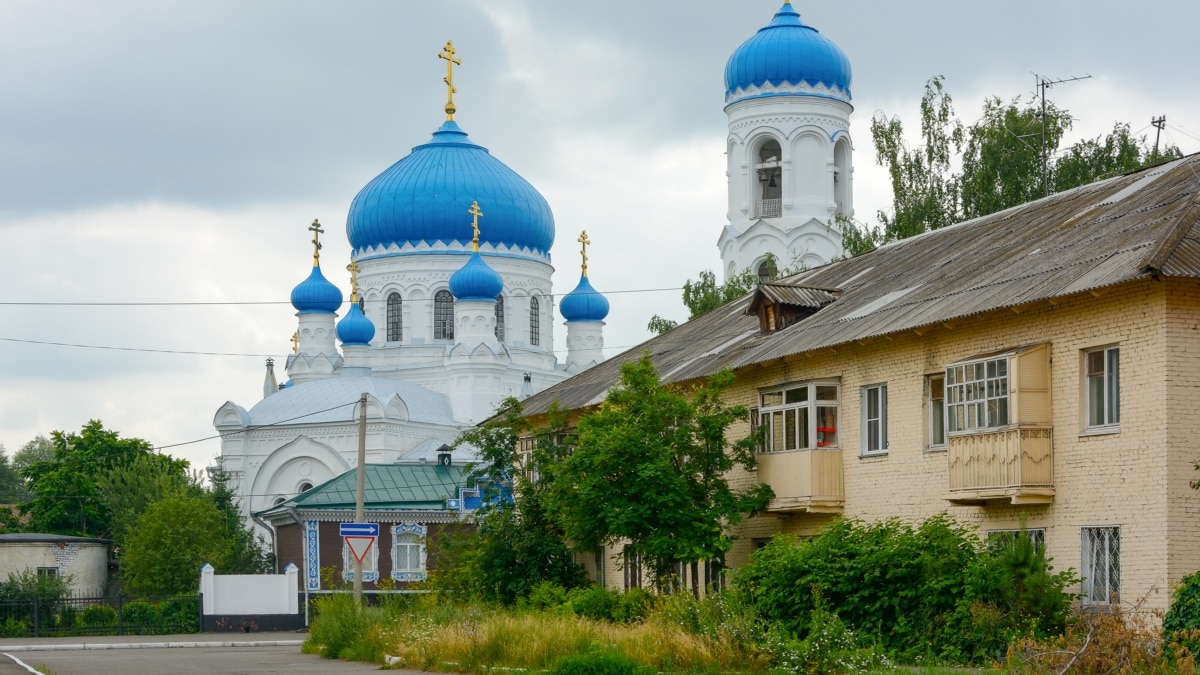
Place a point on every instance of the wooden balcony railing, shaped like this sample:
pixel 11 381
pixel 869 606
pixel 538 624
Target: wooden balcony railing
pixel 804 480
pixel 1014 465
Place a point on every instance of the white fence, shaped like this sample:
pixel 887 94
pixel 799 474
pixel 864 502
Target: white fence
pixel 234 594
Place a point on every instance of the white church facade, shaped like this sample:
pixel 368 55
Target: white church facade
pixel 451 310
pixel 451 307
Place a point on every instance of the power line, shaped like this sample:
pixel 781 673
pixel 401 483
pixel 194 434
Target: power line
pixel 128 349
pixel 235 303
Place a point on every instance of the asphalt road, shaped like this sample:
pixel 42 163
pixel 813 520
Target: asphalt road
pixel 208 654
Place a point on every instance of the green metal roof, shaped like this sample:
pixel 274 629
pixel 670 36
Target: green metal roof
pixel 386 486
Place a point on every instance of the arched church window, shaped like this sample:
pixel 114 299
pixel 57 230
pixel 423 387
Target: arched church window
pixel 766 270
pixel 443 316
pixel 769 171
pixel 535 321
pixel 395 319
pixel 278 501
pixel 841 177
pixel 306 486
pixel 500 318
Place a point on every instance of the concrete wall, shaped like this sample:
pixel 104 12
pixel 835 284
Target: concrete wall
pixel 85 563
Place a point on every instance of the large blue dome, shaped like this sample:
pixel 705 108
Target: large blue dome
pixel 787 57
pixel 422 201
pixel 584 303
pixel 316 295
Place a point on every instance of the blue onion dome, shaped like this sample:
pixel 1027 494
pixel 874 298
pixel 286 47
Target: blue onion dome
pixel 584 303
pixel 787 57
pixel 316 295
pixel 356 328
pixel 476 281
pixel 418 202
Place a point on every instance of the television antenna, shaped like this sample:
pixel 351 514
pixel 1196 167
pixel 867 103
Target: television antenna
pixel 1043 84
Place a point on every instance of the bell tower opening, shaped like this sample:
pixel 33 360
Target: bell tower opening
pixel 768 201
pixel 843 195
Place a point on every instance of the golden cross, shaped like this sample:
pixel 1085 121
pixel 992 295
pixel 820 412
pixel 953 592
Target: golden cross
pixel 353 269
pixel 583 239
pixel 315 228
pixel 448 53
pixel 476 214
pixel 296 342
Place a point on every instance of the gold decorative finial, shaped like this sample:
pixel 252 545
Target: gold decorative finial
pixel 296 342
pixel 448 53
pixel 353 269
pixel 476 214
pixel 315 228
pixel 583 239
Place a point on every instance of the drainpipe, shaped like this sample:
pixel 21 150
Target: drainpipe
pixel 274 541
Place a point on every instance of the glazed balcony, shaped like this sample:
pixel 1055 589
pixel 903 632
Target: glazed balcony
pixel 804 480
pixel 1013 465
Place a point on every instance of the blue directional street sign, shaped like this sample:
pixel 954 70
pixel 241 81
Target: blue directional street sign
pixel 359 529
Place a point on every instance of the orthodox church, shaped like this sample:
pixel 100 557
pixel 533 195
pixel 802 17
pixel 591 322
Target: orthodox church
pixel 451 306
pixel 450 311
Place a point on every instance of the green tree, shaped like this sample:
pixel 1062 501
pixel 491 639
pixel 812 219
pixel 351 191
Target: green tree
pixel 12 488
pixel 248 553
pixel 65 490
pixel 704 294
pixel 1001 163
pixel 172 539
pixel 650 467
pixel 40 449
pixel 127 490
pixel 925 191
pixel 517 544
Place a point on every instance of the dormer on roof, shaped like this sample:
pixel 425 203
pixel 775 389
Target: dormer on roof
pixel 779 305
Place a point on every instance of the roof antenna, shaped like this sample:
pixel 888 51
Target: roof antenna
pixel 1043 84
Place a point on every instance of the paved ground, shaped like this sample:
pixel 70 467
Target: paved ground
pixel 145 654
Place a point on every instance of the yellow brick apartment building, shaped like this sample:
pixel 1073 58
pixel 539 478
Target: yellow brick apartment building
pixel 1039 364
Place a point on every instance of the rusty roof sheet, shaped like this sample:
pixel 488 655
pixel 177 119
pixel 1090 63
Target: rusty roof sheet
pixel 1106 233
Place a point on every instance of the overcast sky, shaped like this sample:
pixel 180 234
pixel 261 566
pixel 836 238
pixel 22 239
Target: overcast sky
pixel 175 152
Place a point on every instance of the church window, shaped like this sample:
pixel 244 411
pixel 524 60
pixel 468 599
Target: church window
pixel 841 177
pixel 769 170
pixel 535 321
pixel 443 316
pixel 408 552
pixel 395 319
pixel 766 270
pixel 500 318
pixel 306 486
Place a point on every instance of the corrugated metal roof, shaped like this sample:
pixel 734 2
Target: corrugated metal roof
pixel 386 486
pixel 1110 232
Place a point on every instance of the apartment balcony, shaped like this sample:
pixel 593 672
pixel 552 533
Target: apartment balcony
pixel 804 480
pixel 1014 465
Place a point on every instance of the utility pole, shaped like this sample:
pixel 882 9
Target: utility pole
pixel 1159 123
pixel 1043 84
pixel 359 506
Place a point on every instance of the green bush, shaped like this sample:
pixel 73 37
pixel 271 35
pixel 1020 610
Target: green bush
pixel 547 595
pixel 599 664
pixel 181 614
pixel 68 616
pixel 338 629
pixel 13 627
pixel 635 605
pixel 1182 621
pixel 927 593
pixel 140 614
pixel 594 602
pixel 94 616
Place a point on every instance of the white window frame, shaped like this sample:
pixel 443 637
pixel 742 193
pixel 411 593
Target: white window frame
pixel 805 408
pixel 1100 564
pixel 873 420
pixel 935 414
pixel 409 573
pixel 978 395
pixel 370 564
pixel 1102 408
pixel 1037 536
